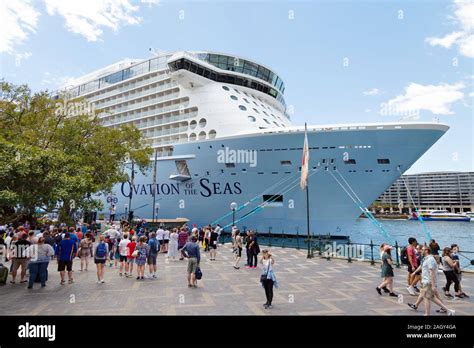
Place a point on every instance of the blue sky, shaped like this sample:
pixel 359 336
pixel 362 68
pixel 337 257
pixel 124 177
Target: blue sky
pixel 342 61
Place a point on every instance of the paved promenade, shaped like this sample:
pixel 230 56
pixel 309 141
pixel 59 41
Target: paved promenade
pixel 307 287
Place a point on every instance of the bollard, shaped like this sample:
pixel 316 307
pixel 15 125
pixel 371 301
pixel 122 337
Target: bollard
pixel 269 236
pixel 349 260
pixel 396 253
pixel 297 239
pixel 372 262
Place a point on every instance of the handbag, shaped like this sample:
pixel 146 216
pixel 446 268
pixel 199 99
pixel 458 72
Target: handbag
pixel 198 273
pixel 263 277
pixel 135 253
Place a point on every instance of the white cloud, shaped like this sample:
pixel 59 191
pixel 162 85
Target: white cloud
pixel 54 82
pixel 368 110
pixel 435 98
pixel 19 19
pixel 21 56
pixel 446 41
pixel 471 94
pixel 464 39
pixel 373 91
pixel 89 17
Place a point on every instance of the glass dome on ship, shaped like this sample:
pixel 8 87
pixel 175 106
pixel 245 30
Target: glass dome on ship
pixel 196 108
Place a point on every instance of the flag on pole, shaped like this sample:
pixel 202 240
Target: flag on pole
pixel 304 162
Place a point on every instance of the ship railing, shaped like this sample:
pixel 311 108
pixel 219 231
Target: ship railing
pixel 338 247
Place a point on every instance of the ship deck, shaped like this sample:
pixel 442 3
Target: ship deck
pixel 307 287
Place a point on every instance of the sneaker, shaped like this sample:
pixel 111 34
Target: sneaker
pixel 30 287
pixel 412 306
pixel 441 310
pixel 416 289
pixel 98 282
pixel 190 286
pixel 43 286
pixel 120 274
pixel 71 281
pixel 451 312
pixel 448 295
pixel 411 290
pixel 236 267
pixel 465 295
pixel 154 276
pixel 385 290
pixel 269 306
pixel 248 267
pixel 378 290
pixel 393 294
pixel 62 282
pixel 102 281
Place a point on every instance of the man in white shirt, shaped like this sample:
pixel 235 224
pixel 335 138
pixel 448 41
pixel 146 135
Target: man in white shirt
pixel 160 233
pixel 123 251
pixel 429 287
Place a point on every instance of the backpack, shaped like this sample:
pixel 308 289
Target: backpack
pixel 101 251
pixel 404 256
pixel 153 246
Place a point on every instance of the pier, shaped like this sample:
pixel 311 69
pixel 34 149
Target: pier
pixel 314 286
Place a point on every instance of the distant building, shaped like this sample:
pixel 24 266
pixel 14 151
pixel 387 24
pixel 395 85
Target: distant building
pixel 452 191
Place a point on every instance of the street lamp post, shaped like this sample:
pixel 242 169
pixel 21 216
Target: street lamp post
pixel 157 209
pixel 126 211
pixel 233 206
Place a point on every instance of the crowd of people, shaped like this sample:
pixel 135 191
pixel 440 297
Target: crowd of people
pixel 124 247
pixel 134 250
pixel 423 263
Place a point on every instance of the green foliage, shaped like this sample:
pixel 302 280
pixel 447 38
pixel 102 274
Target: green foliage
pixel 55 151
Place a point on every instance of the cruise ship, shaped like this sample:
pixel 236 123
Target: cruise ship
pixel 227 151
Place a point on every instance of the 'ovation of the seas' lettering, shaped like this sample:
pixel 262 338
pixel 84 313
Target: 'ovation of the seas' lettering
pixel 206 188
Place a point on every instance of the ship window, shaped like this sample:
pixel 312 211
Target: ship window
pixel 266 121
pixel 245 100
pixel 202 122
pixel 251 118
pixel 233 97
pixel 273 200
pixel 350 161
pixel 256 110
pixel 285 163
pixel 212 134
pixel 192 124
pixel 192 136
pixel 230 165
pixel 202 135
pixel 383 161
pixel 236 91
pixel 243 108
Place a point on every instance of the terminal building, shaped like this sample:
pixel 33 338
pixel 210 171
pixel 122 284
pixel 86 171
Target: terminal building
pixel 451 191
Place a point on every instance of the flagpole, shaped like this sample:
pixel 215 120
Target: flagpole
pixel 307 206
pixel 154 185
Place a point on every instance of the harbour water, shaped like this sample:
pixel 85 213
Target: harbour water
pixel 363 232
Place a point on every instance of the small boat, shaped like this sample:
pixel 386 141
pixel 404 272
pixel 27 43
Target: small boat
pixel 440 215
pixel 471 215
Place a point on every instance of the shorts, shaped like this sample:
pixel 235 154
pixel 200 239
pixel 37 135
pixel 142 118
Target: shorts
pixel 192 265
pixel 151 259
pixel 99 261
pixel 238 251
pixel 16 263
pixel 130 259
pixel 410 269
pixel 213 246
pixel 166 241
pixel 62 265
pixel 123 258
pixel 427 291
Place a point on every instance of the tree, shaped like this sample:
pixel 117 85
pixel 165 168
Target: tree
pixel 54 150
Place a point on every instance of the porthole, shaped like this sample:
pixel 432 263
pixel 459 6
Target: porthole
pixel 192 136
pixel 236 91
pixel 225 88
pixel 266 121
pixel 202 122
pixel 202 135
pixel 251 118
pixel 192 124
pixel 256 110
pixel 212 134
pixel 243 108
pixel 233 97
pixel 245 100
